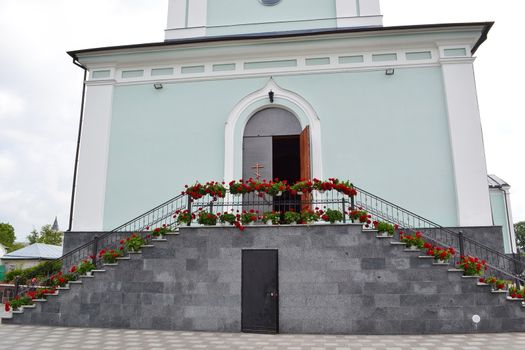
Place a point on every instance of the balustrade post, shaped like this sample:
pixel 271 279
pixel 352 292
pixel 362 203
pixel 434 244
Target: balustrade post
pixel 94 250
pixel 460 243
pixel 17 285
pixel 343 202
pixel 188 206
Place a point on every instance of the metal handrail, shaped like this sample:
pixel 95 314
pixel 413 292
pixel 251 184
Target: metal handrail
pixel 377 207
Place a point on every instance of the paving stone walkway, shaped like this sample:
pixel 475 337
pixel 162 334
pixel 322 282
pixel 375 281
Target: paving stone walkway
pixel 52 338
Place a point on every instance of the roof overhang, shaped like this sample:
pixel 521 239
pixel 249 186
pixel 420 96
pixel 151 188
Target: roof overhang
pixel 482 27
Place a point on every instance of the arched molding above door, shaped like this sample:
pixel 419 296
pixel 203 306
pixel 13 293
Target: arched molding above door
pixel 257 101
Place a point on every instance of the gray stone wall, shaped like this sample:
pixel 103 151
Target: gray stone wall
pixel 332 279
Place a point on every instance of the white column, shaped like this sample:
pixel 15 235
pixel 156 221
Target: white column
pixel 466 140
pixel 90 191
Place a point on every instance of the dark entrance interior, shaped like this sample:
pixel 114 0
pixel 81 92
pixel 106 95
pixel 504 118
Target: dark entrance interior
pixel 286 158
pixel 286 164
pixel 260 291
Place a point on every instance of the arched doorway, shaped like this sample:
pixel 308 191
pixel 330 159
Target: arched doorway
pixel 275 146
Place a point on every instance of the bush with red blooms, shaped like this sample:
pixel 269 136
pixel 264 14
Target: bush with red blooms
pixel 302 186
pixel 344 187
pixel 472 266
pixel 160 231
pixel 133 243
pixel 85 265
pixel 19 301
pixel 308 216
pixel 497 284
pixel 415 239
pixel 360 215
pixel 60 280
pixel 7 307
pixel 439 253
pixel 516 293
pixel 184 217
pixel 227 218
pixel 382 226
pixel 330 215
pixel 248 216
pixel 109 256
pixel 276 188
pixel 206 218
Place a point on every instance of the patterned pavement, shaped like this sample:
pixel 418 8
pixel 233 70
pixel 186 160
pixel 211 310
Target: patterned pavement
pixel 52 338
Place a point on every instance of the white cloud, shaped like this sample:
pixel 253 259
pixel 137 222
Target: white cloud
pixel 11 105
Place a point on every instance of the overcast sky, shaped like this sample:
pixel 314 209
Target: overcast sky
pixel 40 89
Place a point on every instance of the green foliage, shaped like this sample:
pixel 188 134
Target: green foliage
pixel 7 235
pixel 15 246
pixel 20 301
pixel 46 235
pixel 519 230
pixel 39 271
pixel 291 216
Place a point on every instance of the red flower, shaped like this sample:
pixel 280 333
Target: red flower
pixel 7 307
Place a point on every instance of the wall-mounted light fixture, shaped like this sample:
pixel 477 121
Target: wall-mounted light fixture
pixel 270 96
pixel 389 71
pixel 157 86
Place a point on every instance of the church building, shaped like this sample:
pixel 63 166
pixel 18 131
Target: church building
pixel 240 83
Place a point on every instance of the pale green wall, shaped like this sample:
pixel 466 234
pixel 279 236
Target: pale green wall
pixel 222 14
pixel 163 139
pixel 499 215
pixel 388 134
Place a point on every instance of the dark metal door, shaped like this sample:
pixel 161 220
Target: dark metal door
pixel 260 291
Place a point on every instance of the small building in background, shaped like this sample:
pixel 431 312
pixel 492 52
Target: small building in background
pixel 30 256
pixel 3 251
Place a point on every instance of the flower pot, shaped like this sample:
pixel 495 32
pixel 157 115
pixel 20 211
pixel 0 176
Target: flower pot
pixel 279 194
pixel 293 223
pixel 89 273
pixel 382 234
pixel 299 193
pixel 269 222
pixel 413 247
pixel 441 261
pixel 160 237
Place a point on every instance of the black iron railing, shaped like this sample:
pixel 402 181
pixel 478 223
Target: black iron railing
pixel 164 214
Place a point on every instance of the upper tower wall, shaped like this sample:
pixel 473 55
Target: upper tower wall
pixel 198 18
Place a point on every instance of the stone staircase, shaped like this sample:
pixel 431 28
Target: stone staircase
pixel 332 279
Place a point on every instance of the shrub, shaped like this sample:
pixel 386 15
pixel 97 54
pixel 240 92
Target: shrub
pixel 41 270
pixel 273 216
pixel 110 256
pixel 382 226
pixel 472 266
pixel 247 217
pixel 412 240
pixel 227 217
pixel 134 242
pixel 85 265
pixel 206 218
pixel 161 231
pixel 291 216
pixel 331 215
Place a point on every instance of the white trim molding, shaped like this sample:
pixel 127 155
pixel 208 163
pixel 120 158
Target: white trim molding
pixel 257 101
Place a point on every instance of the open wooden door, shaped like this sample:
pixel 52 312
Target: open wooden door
pixel 304 144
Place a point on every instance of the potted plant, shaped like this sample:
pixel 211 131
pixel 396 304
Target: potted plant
pixel 215 189
pixel 516 293
pixel 413 242
pixel 332 216
pixel 133 243
pixel 276 188
pixel 322 186
pixel 271 218
pixel 109 256
pixel 496 284
pixel 196 191
pixel 308 216
pixel 238 187
pixel 227 218
pixel 85 267
pixel 248 217
pixel 344 187
pixel 384 229
pixel 441 255
pixel 301 187
pixel 472 266
pixel 291 217
pixel 206 218
pixel 159 232
pixel 184 217
pixel 360 215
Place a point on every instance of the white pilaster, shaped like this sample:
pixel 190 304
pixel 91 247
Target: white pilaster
pixel 186 19
pixel 358 13
pixel 466 139
pixel 90 188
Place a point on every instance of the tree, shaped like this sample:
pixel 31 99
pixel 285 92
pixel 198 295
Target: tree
pixel 7 235
pixel 519 230
pixel 46 235
pixel 15 246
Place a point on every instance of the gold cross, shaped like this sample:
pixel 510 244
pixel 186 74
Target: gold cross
pixel 257 173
